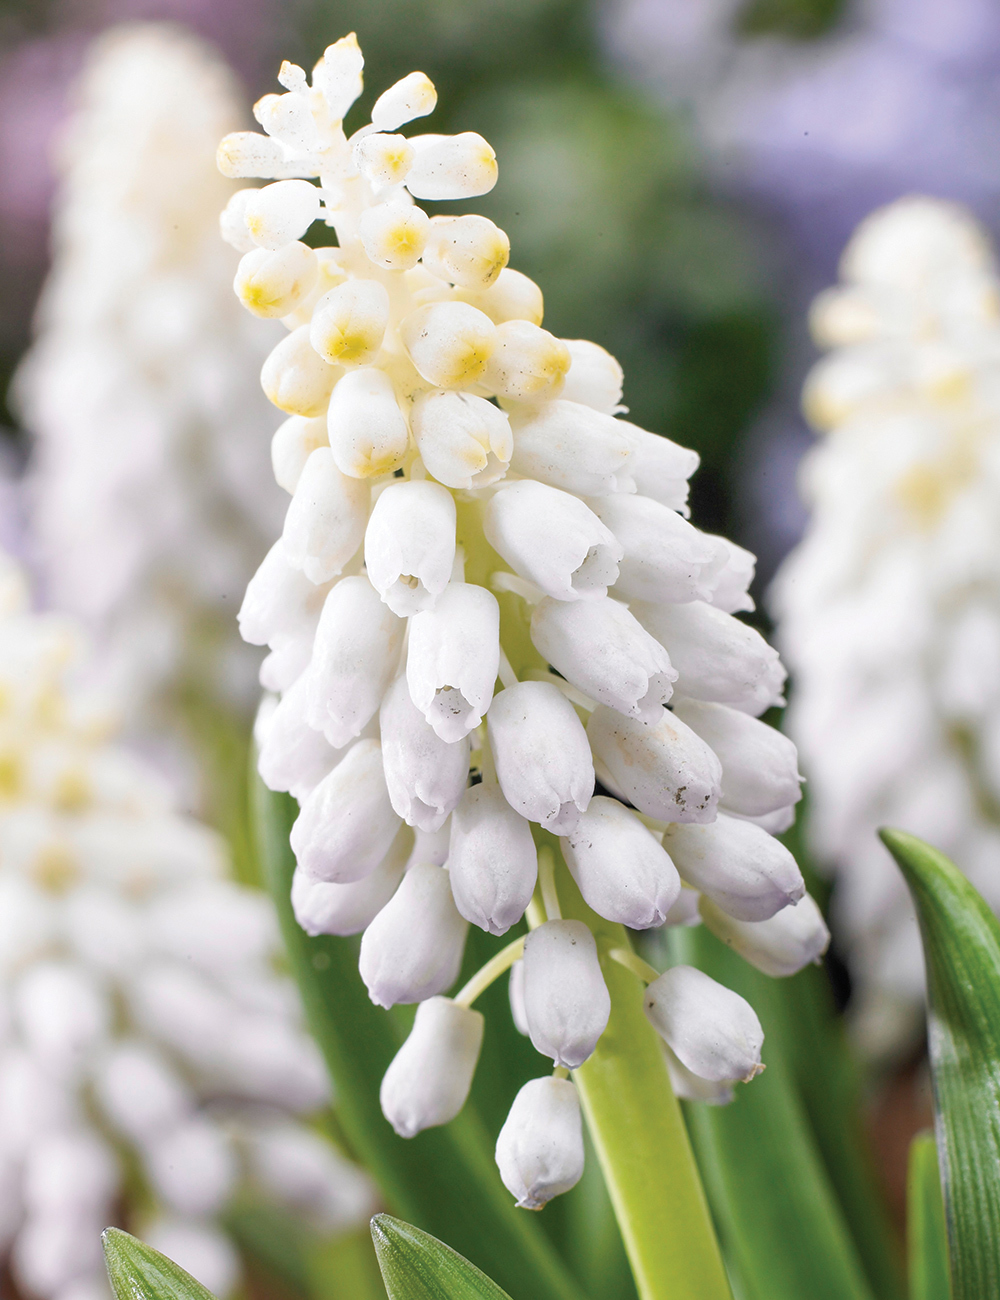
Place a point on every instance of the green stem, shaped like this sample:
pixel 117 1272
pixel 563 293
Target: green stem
pixel 639 1135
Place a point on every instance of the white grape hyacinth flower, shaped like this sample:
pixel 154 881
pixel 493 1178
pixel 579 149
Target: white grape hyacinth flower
pixel 149 493
pixel 471 614
pixel 889 609
pixel 141 1009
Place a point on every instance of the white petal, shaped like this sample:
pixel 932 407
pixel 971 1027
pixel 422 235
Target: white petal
pixel 424 774
pixel 566 1001
pixel 739 866
pixel 325 523
pixel 453 658
pixel 410 545
pixel 665 558
pixel 540 1148
pixel 367 430
pixel 491 860
pixel 451 167
pixel 573 447
pixel 712 1030
pixel 431 1074
pixel 322 907
pixel 790 940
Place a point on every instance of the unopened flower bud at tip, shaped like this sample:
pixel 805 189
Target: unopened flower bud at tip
pixel 566 1002
pixel 430 1076
pixel 273 284
pixel 540 1148
pixel 782 945
pixel 712 1030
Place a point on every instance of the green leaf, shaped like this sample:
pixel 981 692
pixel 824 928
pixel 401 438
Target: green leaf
pixel 925 1226
pixel 781 1224
pixel 138 1272
pixel 445 1180
pixel 416 1266
pixel 962 954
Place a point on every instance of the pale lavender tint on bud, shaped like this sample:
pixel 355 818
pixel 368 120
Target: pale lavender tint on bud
pixel 712 1030
pixel 566 1001
pixel 791 939
pixel 741 868
pixel 430 1076
pixel 540 1148
pixel 413 948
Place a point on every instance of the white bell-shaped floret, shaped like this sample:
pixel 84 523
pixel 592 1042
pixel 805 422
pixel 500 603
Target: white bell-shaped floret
pixel 760 766
pixel 280 213
pixel 325 522
pixel 512 296
pixel 192 1167
pixel 663 768
pixel 689 1086
pixel 413 948
pixel 232 221
pixel 367 430
pixel 594 377
pixel 295 378
pixel 599 646
pixel 783 945
pixel 62 1013
pixel 430 1076
pixel 349 322
pixel 469 251
pixel 661 468
pixel 68 1174
pixel 425 774
pixel 138 1091
pixel 622 871
pixel 527 363
pixel 451 167
pixel 394 233
pixel 338 75
pixel 292 756
pixel 321 907
pixel 292 445
pixel 347 824
pixel 541 753
pixel 243 154
pixel 571 446
pixel 553 539
pixel 710 1029
pixel 566 1001
pixel 741 868
pixel 491 859
pixel 515 996
pixel 411 97
pixel 410 545
pixel 666 559
pixel 274 284
pixel 383 160
pixel 453 657
pixel 288 118
pixel 464 441
pixel 355 657
pixel 280 601
pixel 731 585
pixel 448 342
pixel 540 1148
pixel 717 657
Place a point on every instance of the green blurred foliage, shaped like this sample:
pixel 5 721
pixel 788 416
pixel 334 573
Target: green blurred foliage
pixel 798 19
pixel 602 195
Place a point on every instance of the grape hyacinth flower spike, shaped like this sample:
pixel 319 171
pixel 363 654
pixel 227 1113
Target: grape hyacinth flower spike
pixel 472 615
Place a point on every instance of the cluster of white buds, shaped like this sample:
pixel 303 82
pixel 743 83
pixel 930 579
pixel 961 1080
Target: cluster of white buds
pixel 140 1011
pixel 150 498
pixel 889 610
pixel 467 510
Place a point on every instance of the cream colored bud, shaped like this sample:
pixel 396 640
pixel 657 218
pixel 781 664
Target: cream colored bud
pixel 464 441
pixel 287 118
pixel 383 160
pixel 452 167
pixel 394 234
pixel 292 445
pixel 349 322
pixel 280 213
pixel 449 342
pixel 338 75
pixel 296 378
pixel 595 378
pixel 273 284
pixel 232 222
pixel 512 296
pixel 248 153
pixel 367 430
pixel 527 362
pixel 469 251
pixel 413 96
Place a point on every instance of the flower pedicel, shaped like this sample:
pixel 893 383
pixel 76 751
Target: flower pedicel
pixel 471 614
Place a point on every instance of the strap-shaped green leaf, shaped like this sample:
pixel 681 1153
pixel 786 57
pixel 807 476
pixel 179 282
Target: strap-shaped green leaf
pixel 962 954
pixel 445 1179
pixel 926 1233
pixel 781 1225
pixel 416 1266
pixel 138 1272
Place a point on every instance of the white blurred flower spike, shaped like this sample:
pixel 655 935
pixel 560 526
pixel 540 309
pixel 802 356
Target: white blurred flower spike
pixel 889 609
pixel 499 604
pixel 142 1011
pixel 150 499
